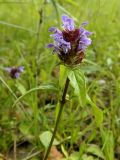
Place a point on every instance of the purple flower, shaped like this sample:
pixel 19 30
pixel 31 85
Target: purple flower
pixel 70 43
pixel 14 72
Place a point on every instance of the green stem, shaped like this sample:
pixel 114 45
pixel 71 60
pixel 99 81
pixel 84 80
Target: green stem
pixel 14 95
pixel 58 118
pixel 11 91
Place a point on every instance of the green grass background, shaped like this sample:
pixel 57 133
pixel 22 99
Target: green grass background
pixel 23 39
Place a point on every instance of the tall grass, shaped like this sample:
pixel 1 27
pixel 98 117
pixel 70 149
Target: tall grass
pixel 35 112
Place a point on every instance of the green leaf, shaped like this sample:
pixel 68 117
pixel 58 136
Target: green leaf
pixel 74 156
pixel 45 138
pixel 63 75
pixel 56 9
pixel 97 112
pixel 86 157
pixel 72 2
pixel 77 81
pixel 42 87
pixel 108 143
pixel 26 129
pixel 21 88
pixel 64 151
pixel 95 150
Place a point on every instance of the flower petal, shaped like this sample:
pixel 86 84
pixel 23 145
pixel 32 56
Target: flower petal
pixel 16 75
pixel 84 24
pixel 82 47
pixel 85 40
pixel 21 68
pixel 50 45
pixel 68 23
pixel 52 29
pixel 64 17
pixel 87 33
pixel 8 69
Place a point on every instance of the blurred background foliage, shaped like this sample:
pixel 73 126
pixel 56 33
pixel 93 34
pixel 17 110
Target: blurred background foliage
pixel 24 35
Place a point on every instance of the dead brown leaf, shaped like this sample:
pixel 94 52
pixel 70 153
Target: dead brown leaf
pixel 55 154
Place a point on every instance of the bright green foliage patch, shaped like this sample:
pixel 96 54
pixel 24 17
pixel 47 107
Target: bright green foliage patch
pixel 90 123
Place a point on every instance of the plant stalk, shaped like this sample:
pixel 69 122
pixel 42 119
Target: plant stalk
pixel 58 118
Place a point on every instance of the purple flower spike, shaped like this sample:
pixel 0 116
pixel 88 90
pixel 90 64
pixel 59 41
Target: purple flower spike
pixel 70 43
pixel 14 72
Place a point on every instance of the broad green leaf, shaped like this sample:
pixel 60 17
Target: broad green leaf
pixel 45 138
pixel 97 112
pixel 86 157
pixel 95 150
pixel 74 156
pixel 77 80
pixel 63 75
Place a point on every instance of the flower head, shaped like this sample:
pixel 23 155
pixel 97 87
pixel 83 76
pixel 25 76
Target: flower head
pixel 70 43
pixel 14 72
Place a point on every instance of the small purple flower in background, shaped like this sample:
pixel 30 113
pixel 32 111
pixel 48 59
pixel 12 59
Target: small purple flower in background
pixel 14 72
pixel 70 44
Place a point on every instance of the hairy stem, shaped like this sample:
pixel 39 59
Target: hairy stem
pixel 58 118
